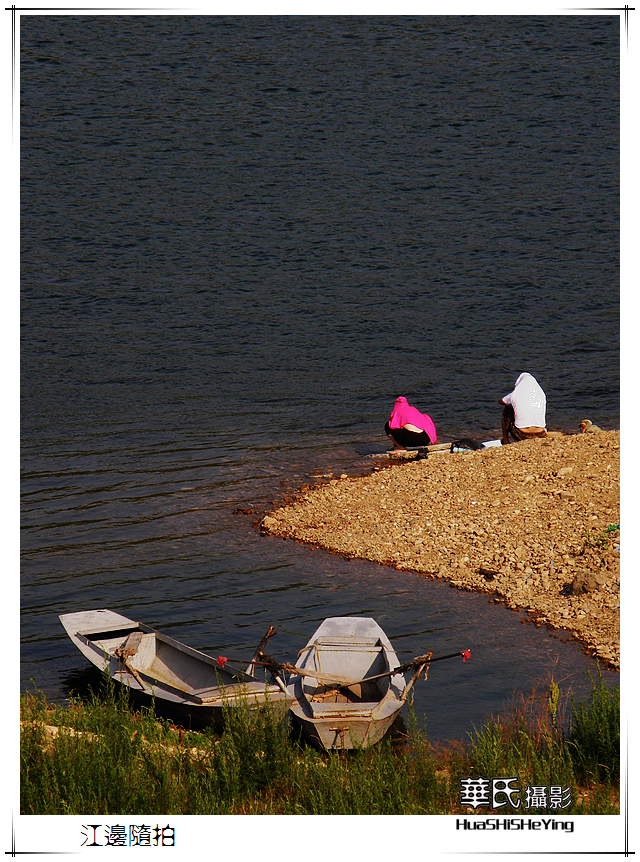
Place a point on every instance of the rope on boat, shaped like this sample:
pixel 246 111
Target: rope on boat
pixel 127 650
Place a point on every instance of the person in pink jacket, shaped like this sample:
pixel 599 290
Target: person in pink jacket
pixel 407 426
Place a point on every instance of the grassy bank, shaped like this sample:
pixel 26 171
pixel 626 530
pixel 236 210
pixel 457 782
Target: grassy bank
pixel 102 757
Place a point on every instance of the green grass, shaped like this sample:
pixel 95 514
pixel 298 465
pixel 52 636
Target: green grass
pixel 594 740
pixel 111 759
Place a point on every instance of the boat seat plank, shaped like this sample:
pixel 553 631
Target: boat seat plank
pixel 217 692
pixel 327 710
pixel 347 642
pixel 130 647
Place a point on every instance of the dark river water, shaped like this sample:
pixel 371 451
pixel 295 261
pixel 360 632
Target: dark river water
pixel 242 238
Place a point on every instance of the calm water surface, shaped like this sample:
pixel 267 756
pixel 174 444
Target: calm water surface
pixel 242 238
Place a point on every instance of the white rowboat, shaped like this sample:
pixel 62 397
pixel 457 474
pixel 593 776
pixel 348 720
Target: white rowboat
pixel 153 664
pixel 333 714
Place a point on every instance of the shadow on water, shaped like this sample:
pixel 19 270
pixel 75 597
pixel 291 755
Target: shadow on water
pixel 83 683
pixel 90 683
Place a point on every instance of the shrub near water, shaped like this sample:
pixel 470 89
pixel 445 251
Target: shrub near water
pixel 108 759
pixel 594 739
pixel 530 738
pixel 531 743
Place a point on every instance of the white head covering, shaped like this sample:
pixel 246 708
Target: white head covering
pixel 528 401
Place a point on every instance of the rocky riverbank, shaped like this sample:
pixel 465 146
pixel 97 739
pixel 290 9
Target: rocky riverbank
pixel 534 523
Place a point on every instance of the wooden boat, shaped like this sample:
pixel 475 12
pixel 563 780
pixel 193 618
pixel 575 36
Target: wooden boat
pixel 347 695
pixel 153 664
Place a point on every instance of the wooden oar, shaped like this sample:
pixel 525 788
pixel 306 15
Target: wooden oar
pixel 345 682
pixel 419 661
pixel 324 677
pixel 271 664
pixel 258 653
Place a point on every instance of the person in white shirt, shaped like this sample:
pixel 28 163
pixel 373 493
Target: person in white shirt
pixel 524 414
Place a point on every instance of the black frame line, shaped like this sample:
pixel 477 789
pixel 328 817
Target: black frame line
pixel 626 9
pixel 14 852
pixel 13 9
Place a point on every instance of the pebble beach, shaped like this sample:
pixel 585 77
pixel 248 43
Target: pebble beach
pixel 535 524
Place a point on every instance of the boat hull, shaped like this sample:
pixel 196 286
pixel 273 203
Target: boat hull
pixel 344 717
pixel 342 730
pixel 157 668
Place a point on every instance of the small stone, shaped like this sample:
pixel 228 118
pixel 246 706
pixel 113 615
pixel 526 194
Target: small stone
pixel 584 582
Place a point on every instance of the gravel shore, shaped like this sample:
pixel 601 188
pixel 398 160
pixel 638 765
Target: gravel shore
pixel 535 523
